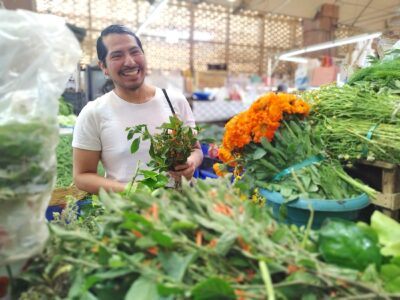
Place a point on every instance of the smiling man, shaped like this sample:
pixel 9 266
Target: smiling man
pixel 100 135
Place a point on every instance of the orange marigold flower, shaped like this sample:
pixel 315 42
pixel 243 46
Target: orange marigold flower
pixel 219 169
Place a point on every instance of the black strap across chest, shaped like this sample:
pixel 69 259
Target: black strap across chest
pixel 169 101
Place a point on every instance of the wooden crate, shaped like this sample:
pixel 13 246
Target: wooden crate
pixel 385 178
pixel 59 195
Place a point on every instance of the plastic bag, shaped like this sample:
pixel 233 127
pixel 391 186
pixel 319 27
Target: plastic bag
pixel 38 54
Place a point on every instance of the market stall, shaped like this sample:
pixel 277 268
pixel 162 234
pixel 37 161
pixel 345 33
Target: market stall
pixel 297 196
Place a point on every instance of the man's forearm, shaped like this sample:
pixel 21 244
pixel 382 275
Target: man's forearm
pixel 91 183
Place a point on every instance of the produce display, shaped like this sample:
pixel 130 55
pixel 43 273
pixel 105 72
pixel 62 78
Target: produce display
pixel 64 161
pixel 361 119
pixel 382 74
pixel 278 151
pixel 204 243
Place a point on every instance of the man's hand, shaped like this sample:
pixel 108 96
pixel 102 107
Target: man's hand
pixel 187 170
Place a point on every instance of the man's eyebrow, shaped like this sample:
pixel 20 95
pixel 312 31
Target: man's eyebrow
pixel 116 52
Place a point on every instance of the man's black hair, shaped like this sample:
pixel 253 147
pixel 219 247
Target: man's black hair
pixel 119 29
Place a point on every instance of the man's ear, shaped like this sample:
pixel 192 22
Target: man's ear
pixel 103 67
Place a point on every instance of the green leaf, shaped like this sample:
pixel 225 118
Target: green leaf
pixel 213 289
pixel 174 264
pixel 135 145
pixel 161 238
pixel 388 231
pixel 98 277
pixel 130 135
pixel 343 243
pixel 149 174
pixel 259 153
pixel 142 289
pixel 168 290
pixel 225 242
pixel 145 242
pixel 390 274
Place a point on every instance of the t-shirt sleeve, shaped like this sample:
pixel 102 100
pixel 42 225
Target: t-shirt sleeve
pixel 182 108
pixel 86 131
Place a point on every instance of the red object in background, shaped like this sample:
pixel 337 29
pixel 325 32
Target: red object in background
pixel 213 151
pixel 326 61
pixel 4 281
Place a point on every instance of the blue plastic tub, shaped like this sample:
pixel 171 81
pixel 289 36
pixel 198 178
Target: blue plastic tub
pixel 203 174
pixel 298 211
pixel 198 95
pixel 59 208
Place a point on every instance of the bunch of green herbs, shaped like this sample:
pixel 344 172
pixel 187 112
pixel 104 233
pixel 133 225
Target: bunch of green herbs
pixel 24 161
pixel 295 165
pixel 203 243
pixel 354 139
pixel 168 148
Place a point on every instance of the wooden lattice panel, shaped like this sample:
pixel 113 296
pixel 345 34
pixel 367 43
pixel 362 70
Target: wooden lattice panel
pixel 245 30
pixel 107 12
pixel 73 11
pixel 166 56
pixel 281 31
pixel 342 32
pixel 211 19
pixel 173 24
pixel 244 59
pixel 208 53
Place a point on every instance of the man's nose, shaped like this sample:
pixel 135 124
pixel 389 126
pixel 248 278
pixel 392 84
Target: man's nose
pixel 129 60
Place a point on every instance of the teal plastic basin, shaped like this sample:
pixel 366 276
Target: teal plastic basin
pixel 298 211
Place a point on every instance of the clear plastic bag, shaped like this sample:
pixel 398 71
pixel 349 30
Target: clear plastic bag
pixel 38 54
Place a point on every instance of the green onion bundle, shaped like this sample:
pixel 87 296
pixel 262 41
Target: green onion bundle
pixel 353 102
pixel 381 75
pixel 351 139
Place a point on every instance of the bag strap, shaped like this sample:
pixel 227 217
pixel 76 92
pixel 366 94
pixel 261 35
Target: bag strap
pixel 169 101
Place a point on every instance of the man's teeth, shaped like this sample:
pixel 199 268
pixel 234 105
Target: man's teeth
pixel 131 71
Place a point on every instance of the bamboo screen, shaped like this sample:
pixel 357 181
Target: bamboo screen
pixel 187 35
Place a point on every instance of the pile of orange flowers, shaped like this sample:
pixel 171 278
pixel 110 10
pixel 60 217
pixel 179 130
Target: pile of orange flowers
pixel 262 119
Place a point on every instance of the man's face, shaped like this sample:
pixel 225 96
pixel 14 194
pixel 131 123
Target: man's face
pixel 125 61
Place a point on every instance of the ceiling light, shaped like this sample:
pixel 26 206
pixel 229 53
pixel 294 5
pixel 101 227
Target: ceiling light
pixel 331 44
pixel 153 15
pixel 295 59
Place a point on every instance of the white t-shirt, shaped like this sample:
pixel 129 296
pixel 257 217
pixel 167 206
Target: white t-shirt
pixel 101 127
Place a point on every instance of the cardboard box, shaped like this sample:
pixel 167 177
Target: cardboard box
pixel 210 79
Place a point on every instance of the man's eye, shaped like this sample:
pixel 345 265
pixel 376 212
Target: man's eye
pixel 136 52
pixel 116 56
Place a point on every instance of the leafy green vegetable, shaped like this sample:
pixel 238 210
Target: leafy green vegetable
pixel 344 243
pixel 388 231
pixel 213 289
pixel 24 161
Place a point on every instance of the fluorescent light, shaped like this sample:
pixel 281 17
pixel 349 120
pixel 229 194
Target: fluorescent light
pixel 295 59
pixel 153 15
pixel 331 44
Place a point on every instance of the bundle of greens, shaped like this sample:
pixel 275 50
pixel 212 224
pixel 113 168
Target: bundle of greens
pixel 295 165
pixel 353 102
pixel 203 243
pixel 26 179
pixel 25 149
pixel 279 152
pixel 64 161
pixel 168 149
pixel 355 122
pixel 353 139
pixel 64 108
pixel 381 75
